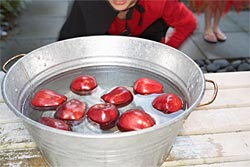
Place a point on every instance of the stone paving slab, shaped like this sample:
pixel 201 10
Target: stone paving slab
pixel 51 8
pixel 242 19
pixel 236 46
pixel 191 50
pixel 236 27
pixel 36 28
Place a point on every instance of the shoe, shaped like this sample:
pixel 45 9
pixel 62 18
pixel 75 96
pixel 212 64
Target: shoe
pixel 220 36
pixel 210 37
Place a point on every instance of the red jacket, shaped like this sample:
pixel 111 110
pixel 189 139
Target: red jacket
pixel 174 14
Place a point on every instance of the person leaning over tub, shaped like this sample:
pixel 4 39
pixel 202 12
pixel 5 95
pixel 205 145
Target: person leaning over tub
pixel 149 19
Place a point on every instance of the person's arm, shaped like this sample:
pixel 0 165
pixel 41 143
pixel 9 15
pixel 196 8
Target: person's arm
pixel 181 19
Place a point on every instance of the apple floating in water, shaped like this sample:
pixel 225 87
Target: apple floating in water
pixel 134 119
pixel 72 111
pixel 167 103
pixel 54 123
pixel 104 114
pixel 46 99
pixel 83 85
pixel 119 96
pixel 145 86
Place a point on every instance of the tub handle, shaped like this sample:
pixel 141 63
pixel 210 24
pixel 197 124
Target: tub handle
pixel 10 60
pixel 214 94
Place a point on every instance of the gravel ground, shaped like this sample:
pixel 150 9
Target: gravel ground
pixel 224 65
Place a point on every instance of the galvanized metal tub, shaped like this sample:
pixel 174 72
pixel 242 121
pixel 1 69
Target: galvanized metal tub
pixel 143 148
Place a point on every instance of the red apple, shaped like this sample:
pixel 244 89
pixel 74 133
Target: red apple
pixel 105 115
pixel 134 119
pixel 73 110
pixel 119 96
pixel 83 84
pixel 46 99
pixel 145 86
pixel 167 103
pixel 54 123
